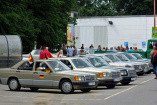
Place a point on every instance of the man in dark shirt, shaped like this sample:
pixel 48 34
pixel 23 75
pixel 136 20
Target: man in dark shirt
pixel 64 51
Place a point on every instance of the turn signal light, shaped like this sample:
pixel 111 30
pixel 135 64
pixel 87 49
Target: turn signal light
pixel 101 74
pixel 76 79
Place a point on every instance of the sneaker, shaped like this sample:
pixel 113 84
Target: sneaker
pixel 155 78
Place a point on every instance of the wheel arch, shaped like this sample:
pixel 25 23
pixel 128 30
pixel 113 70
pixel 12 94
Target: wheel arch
pixel 12 78
pixel 64 78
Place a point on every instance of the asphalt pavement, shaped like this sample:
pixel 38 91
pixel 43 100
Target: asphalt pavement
pixel 143 91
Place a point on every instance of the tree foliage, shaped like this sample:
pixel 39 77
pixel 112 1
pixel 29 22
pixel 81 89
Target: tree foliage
pixel 43 21
pixel 114 7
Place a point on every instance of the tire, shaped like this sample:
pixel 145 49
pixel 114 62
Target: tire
pixel 85 90
pixel 125 83
pixel 34 89
pixel 140 74
pixel 66 87
pixel 110 86
pixel 14 85
pixel 148 72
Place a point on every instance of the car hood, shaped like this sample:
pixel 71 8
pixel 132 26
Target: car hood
pixel 96 69
pixel 71 72
pixel 113 68
pixel 123 63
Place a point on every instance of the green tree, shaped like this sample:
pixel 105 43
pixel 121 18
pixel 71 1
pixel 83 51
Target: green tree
pixel 43 21
pixel 133 7
pixel 15 20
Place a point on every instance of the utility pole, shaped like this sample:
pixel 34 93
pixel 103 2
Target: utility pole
pixel 154 15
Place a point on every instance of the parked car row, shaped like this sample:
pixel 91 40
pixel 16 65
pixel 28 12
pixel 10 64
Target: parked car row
pixel 84 72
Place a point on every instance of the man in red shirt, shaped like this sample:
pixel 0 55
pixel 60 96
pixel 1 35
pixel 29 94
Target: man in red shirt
pixel 45 54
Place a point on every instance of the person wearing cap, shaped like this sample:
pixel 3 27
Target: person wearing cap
pixel 154 61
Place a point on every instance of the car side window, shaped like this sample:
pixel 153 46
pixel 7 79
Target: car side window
pixel 26 66
pixel 41 66
pixel 66 62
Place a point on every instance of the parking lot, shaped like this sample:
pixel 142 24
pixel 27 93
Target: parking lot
pixel 140 92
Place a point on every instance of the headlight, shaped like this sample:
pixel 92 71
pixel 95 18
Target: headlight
pixel 123 73
pixel 106 74
pixel 79 78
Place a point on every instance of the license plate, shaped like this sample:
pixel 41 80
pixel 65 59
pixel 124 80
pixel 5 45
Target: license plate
pixel 91 83
pixel 116 79
pixel 133 78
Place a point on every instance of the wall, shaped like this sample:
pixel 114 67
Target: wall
pixel 97 30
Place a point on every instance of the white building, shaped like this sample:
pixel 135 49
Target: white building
pixel 98 31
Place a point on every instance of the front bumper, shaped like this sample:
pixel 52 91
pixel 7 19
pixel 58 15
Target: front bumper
pixel 85 84
pixel 105 81
pixel 128 78
pixel 145 70
pixel 139 71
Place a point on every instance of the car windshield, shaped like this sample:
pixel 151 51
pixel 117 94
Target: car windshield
pixel 129 56
pixel 122 57
pixel 107 59
pixel 137 56
pixel 113 58
pixel 98 62
pixel 81 63
pixel 37 52
pixel 58 66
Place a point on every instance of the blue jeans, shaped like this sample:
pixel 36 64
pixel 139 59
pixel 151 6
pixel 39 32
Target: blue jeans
pixel 155 70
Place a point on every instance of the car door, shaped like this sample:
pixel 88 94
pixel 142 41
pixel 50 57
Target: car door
pixel 42 76
pixel 24 73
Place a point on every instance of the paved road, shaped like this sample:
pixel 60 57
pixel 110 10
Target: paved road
pixel 143 91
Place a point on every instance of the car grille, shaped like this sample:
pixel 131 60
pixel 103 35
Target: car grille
pixel 89 77
pixel 131 72
pixel 136 67
pixel 143 66
pixel 115 74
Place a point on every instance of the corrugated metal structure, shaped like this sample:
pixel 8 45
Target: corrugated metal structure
pixel 10 50
pixel 114 31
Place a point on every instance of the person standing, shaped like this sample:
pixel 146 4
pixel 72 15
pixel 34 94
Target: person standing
pixel 75 51
pixel 91 46
pixel 131 50
pixel 70 51
pixel 60 54
pixel 154 61
pixel 82 47
pixel 64 51
pixel 99 48
pixel 45 54
pixel 151 53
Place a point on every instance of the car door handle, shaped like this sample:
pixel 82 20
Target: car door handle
pixel 18 71
pixel 35 72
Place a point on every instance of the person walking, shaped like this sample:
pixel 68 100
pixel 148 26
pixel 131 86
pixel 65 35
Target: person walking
pixel 45 54
pixel 70 51
pixel 154 61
